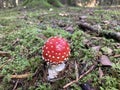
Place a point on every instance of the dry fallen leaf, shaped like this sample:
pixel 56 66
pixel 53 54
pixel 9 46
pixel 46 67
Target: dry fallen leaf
pixel 96 48
pixel 107 50
pixel 105 61
pixel 69 29
pixel 63 14
pixel 82 17
pixel 42 36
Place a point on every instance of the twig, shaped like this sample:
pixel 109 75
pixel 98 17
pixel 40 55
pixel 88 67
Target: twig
pixel 16 41
pixel 21 76
pixel 76 70
pixel 16 84
pixel 81 76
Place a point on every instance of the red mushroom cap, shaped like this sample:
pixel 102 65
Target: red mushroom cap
pixel 56 50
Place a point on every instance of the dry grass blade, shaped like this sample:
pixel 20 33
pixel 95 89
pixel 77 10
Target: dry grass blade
pixel 76 70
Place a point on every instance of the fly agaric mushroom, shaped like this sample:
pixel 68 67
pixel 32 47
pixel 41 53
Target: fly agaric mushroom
pixel 55 51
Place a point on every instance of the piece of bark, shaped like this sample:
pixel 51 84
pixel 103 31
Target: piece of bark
pixel 111 35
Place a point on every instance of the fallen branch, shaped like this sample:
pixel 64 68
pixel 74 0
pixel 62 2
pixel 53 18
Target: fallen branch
pixel 81 76
pixel 86 27
pixel 112 35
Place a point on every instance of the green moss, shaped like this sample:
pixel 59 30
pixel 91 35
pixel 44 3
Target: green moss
pixel 109 83
pixel 56 32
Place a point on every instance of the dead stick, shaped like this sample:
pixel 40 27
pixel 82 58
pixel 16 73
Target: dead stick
pixel 112 35
pixel 81 76
pixel 86 27
pixel 16 84
pixel 21 76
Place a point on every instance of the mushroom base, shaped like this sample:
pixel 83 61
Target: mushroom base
pixel 53 70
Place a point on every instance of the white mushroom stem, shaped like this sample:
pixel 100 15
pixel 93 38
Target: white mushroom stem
pixel 53 70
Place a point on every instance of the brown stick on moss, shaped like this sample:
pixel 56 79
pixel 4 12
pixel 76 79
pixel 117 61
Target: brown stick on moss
pixel 21 76
pixel 26 75
pixel 107 34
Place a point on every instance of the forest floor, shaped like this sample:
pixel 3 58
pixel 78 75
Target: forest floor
pixel 93 35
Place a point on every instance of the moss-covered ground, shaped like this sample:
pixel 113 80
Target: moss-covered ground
pixel 23 33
